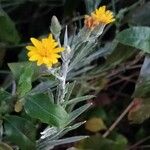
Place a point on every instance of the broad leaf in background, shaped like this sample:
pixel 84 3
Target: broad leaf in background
pixel 20 132
pixel 140 15
pixel 141 109
pixel 40 106
pixel 8 32
pixel 138 37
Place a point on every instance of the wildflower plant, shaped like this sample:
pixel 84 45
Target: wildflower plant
pixel 53 64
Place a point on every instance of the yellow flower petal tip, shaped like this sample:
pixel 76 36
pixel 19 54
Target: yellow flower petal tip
pixel 95 124
pixel 99 16
pixel 44 51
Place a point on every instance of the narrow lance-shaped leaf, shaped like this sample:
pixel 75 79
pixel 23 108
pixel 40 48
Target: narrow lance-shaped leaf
pixel 78 99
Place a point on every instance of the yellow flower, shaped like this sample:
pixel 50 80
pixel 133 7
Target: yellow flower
pixel 95 124
pixel 99 16
pixel 44 51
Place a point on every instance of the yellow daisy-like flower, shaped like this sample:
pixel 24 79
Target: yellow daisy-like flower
pixel 99 16
pixel 44 51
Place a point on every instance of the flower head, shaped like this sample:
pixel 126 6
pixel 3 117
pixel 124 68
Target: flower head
pixel 44 51
pixel 99 16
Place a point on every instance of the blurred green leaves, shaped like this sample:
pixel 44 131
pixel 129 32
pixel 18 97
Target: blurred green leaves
pixel 8 32
pixel 20 132
pixel 96 142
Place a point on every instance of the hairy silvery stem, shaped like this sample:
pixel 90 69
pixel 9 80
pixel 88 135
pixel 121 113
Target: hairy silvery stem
pixel 63 74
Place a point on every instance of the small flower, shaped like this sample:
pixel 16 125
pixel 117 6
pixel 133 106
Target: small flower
pixel 44 51
pixel 99 16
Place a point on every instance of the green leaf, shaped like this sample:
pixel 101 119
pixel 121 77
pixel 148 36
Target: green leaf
pixel 25 81
pixel 18 68
pixel 40 107
pixel 20 131
pixel 8 32
pixel 138 37
pixel 140 15
pixel 78 99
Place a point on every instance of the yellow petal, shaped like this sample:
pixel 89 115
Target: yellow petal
pixel 31 48
pixel 37 43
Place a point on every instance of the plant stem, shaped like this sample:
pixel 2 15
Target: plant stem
pixel 118 120
pixel 139 143
pixel 62 81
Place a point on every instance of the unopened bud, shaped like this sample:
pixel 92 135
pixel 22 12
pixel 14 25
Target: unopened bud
pixel 55 26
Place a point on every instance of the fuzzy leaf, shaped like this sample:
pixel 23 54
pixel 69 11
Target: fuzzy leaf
pixel 51 143
pixel 77 112
pixel 79 99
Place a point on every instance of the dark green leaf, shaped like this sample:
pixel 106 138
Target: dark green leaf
pixel 8 32
pixel 20 131
pixel 138 37
pixel 40 107
pixel 140 15
pixel 5 101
